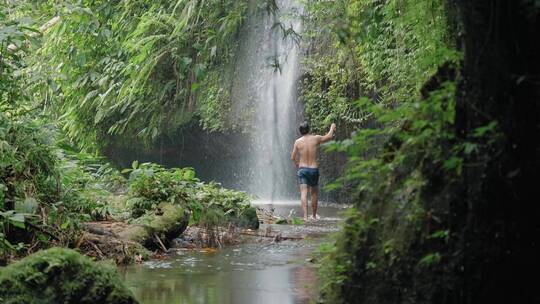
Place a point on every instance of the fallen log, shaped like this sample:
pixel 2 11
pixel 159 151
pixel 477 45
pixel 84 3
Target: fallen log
pixel 127 242
pixel 92 228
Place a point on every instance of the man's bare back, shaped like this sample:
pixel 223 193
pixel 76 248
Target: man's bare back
pixel 308 170
pixel 306 147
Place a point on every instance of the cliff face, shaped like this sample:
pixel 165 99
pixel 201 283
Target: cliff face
pixel 213 155
pixel 495 210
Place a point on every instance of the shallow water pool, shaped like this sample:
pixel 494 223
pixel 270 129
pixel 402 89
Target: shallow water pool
pixel 248 273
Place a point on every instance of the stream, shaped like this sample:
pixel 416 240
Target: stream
pixel 255 272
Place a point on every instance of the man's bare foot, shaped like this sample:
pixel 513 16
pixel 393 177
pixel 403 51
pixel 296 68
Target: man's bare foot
pixel 314 218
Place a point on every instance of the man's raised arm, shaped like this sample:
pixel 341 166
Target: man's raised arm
pixel 328 135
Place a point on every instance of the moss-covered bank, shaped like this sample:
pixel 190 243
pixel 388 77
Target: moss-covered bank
pixel 60 275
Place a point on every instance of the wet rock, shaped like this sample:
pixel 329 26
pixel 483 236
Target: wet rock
pixel 277 238
pixel 197 237
pixel 60 275
pixel 248 219
pixel 268 231
pixel 311 260
pixel 183 242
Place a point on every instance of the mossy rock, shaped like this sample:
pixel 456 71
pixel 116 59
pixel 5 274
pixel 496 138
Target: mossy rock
pixel 59 275
pixel 248 219
pixel 169 224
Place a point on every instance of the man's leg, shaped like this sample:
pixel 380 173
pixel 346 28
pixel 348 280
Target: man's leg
pixel 303 199
pixel 314 200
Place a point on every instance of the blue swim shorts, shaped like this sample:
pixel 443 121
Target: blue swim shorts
pixel 308 176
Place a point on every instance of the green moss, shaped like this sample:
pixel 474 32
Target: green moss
pixel 61 276
pixel 167 222
pixel 172 222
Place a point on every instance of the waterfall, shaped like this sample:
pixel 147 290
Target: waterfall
pixel 267 84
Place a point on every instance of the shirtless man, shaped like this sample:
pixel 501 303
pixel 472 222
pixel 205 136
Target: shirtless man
pixel 308 170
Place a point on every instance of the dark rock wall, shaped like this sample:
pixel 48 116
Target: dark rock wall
pixel 496 211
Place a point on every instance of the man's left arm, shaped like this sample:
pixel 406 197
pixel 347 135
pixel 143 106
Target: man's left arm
pixel 293 155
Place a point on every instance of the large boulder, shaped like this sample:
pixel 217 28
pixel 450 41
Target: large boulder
pixel 59 275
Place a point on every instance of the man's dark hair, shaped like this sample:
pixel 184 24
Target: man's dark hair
pixel 304 128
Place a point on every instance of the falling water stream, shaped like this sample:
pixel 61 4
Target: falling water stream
pixel 260 272
pixel 275 116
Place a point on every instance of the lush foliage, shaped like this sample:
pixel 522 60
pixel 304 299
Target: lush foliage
pixel 138 68
pixel 27 161
pixel 392 79
pixel 37 176
pixel 209 203
pixel 73 73
pixel 391 210
pixel 40 174
pixel 385 50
